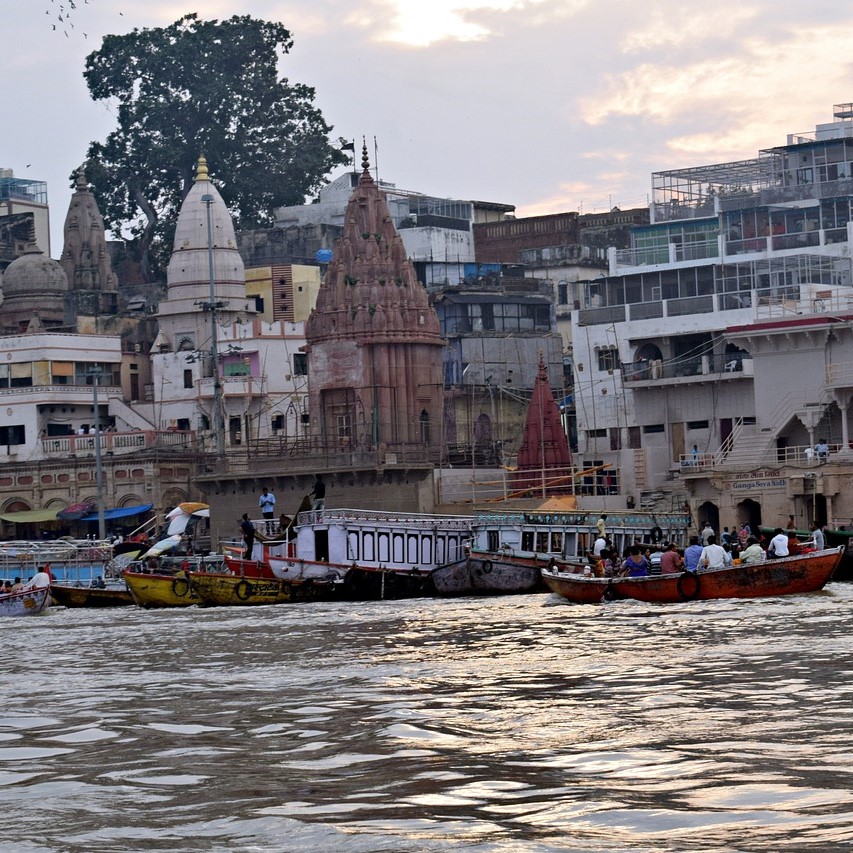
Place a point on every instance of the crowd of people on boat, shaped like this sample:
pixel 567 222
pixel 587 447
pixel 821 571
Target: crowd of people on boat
pixel 705 552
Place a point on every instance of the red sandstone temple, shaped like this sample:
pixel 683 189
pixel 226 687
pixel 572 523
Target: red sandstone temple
pixel 374 341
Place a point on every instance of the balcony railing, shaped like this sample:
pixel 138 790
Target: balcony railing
pixel 118 443
pixel 719 366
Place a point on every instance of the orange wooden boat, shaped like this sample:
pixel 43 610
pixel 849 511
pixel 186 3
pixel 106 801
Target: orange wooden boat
pixel 800 573
pixel 582 589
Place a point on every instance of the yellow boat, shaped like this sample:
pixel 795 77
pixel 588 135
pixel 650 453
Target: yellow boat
pixel 230 590
pixel 156 590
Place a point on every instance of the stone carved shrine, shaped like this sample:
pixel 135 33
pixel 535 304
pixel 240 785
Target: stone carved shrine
pixel 374 343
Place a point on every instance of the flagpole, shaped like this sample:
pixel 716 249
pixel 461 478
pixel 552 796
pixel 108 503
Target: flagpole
pixel 376 159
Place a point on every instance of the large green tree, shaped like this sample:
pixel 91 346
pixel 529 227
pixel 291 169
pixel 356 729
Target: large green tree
pixel 197 87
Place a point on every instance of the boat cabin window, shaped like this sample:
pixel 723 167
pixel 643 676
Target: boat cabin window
pixel 526 540
pixel 542 540
pixel 493 540
pixel 557 542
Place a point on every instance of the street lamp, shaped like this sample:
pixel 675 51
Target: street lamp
pixel 218 421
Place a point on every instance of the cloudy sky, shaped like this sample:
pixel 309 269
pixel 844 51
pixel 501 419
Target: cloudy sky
pixel 550 105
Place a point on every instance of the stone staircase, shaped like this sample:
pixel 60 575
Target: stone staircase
pixel 746 447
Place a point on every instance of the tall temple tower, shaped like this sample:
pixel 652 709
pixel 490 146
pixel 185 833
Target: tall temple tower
pixel 93 288
pixel 374 344
pixel 183 315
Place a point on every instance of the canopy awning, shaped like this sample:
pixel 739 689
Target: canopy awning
pixel 30 516
pixel 121 512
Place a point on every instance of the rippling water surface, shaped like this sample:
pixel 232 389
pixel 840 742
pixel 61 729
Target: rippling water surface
pixel 512 724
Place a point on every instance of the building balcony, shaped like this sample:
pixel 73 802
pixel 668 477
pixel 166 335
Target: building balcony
pixel 648 374
pixel 232 386
pixel 117 443
pixel 60 394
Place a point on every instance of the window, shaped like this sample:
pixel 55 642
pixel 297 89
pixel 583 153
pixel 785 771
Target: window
pixel 563 293
pixel 184 424
pixel 300 364
pixel 652 428
pixel 634 441
pixel 12 435
pixel 277 423
pixel 596 433
pixel 697 424
pixel 188 379
pixel 608 358
pixel 62 372
pixel 22 375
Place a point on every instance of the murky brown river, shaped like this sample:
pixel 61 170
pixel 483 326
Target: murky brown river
pixel 513 724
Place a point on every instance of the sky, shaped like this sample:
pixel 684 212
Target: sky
pixel 548 105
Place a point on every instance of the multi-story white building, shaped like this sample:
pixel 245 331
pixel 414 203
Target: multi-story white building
pixel 714 352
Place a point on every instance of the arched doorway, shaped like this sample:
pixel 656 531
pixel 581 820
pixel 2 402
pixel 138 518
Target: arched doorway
pixel 749 512
pixel 709 513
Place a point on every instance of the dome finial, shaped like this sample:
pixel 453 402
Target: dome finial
pixel 365 160
pixel 201 169
pixel 81 179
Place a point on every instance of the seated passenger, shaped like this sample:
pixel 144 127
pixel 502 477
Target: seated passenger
pixel 753 553
pixel 635 565
pixel 671 562
pixel 713 556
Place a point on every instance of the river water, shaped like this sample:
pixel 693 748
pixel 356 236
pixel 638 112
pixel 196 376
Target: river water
pixel 511 724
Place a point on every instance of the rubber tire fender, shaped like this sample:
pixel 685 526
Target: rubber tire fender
pixel 609 593
pixel 487 567
pixel 183 584
pixel 688 586
pixel 243 590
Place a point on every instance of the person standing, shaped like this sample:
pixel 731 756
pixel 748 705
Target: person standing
pixel 266 502
pixel 819 538
pixel 822 450
pixel 707 533
pixel 318 493
pixel 601 526
pixel 248 531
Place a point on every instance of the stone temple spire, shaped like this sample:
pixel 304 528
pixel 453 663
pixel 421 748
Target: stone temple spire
pixel 374 342
pixel 544 453
pixel 93 285
pixel 188 273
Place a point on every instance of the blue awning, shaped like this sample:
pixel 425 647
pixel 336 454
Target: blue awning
pixel 122 512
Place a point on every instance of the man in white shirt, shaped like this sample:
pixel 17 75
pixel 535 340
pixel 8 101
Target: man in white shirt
pixel 40 580
pixel 707 533
pixel 598 546
pixel 778 546
pixel 713 555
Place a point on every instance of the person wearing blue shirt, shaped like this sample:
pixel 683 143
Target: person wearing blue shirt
pixel 692 554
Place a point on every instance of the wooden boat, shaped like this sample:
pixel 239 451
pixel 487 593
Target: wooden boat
pixel 160 590
pixel 491 573
pixel 221 590
pixel 25 602
pixel 582 589
pixel 112 595
pixel 800 573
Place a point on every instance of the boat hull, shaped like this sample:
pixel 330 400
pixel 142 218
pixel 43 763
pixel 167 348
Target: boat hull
pixel 581 589
pixel 215 590
pixel 153 590
pixel 82 596
pixel 488 574
pixel 28 602
pixel 786 576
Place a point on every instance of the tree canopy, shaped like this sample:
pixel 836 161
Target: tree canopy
pixel 198 87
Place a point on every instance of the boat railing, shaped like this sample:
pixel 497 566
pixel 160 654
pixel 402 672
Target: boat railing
pixel 384 518
pixel 75 560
